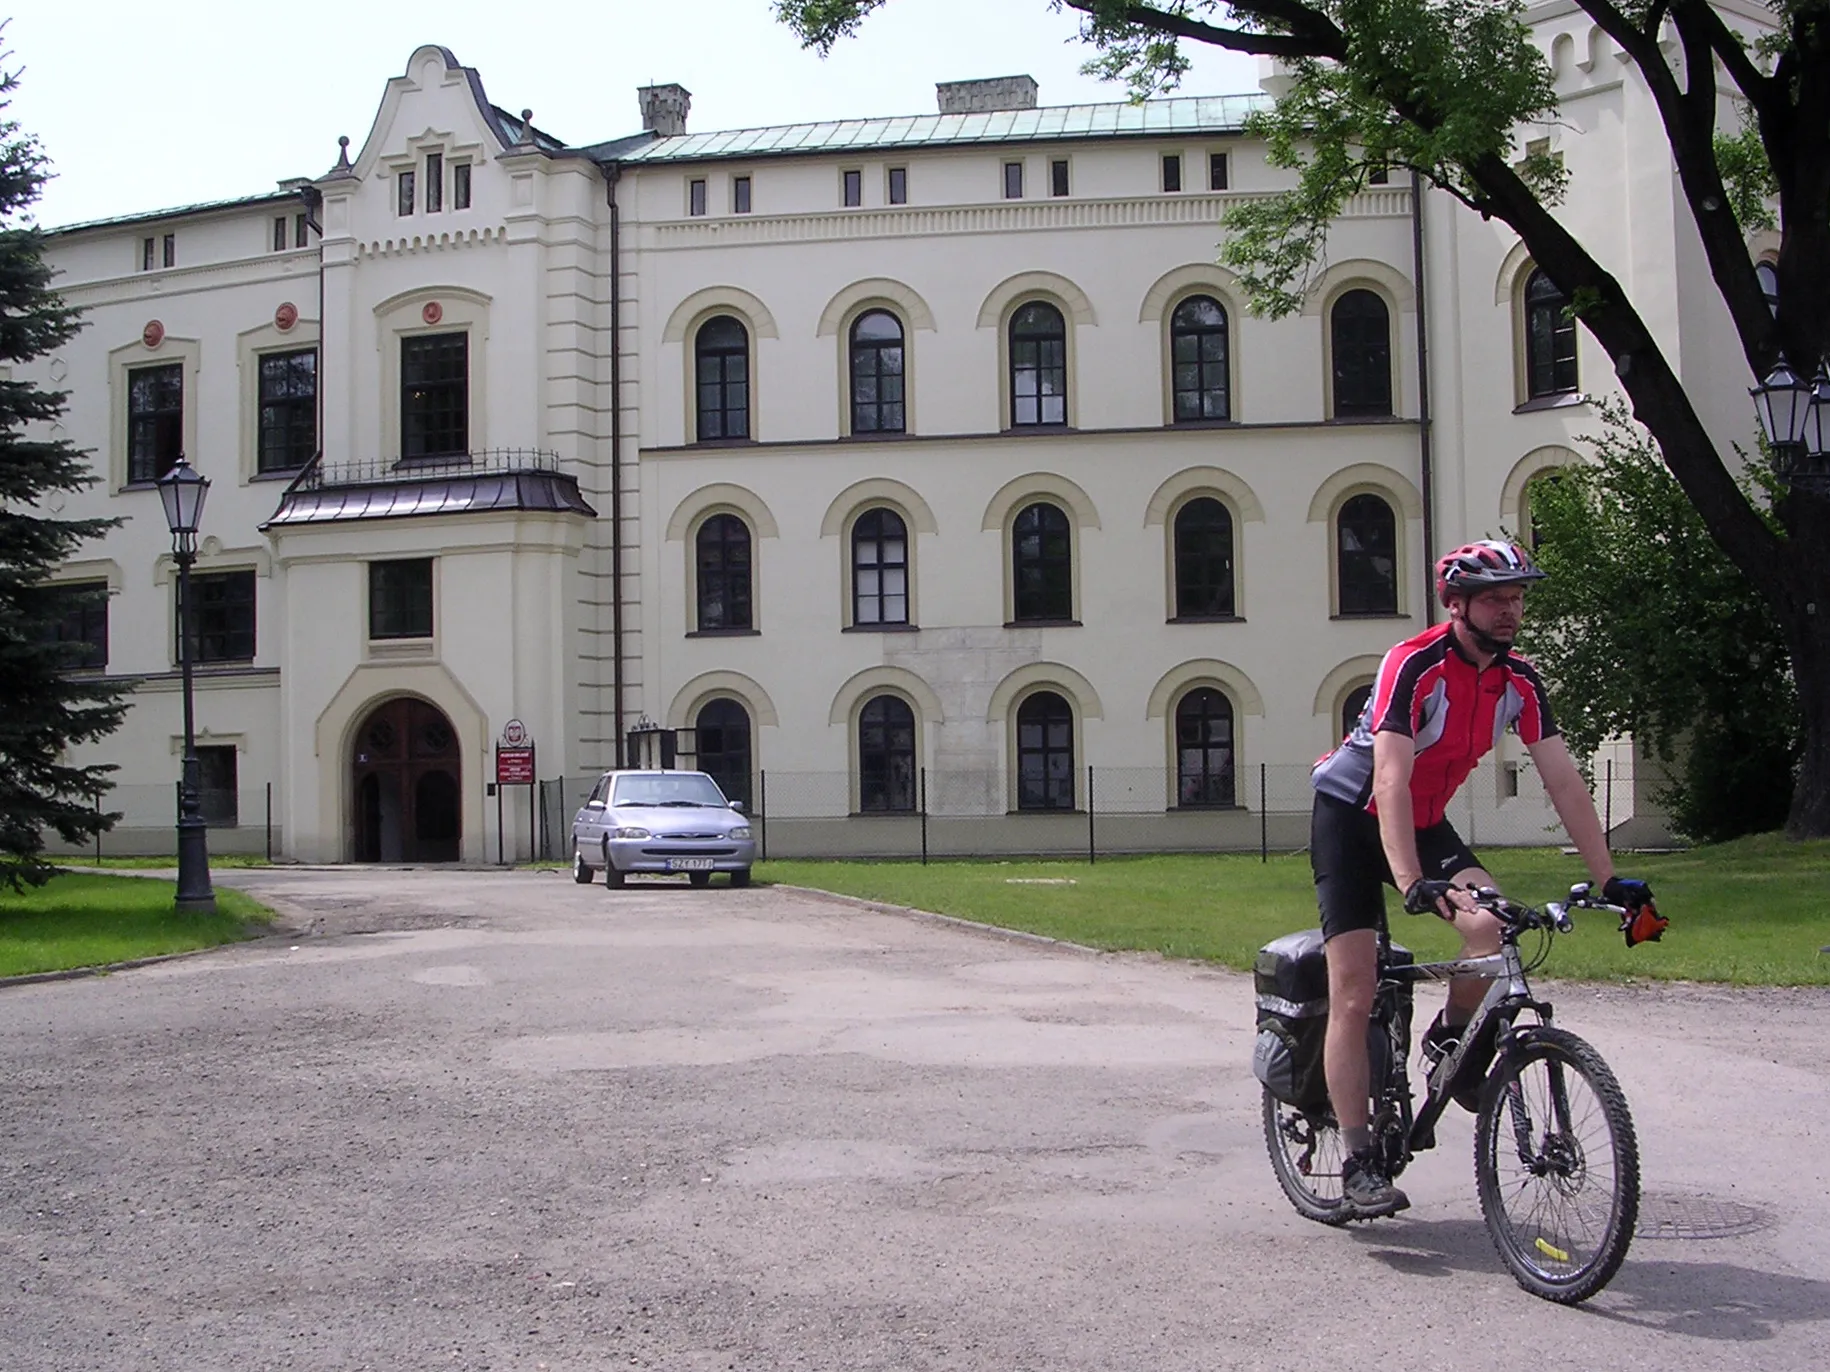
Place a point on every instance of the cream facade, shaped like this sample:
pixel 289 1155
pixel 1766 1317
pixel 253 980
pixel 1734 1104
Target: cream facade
pixel 924 466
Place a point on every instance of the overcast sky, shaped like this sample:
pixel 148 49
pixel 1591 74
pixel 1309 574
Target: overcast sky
pixel 144 106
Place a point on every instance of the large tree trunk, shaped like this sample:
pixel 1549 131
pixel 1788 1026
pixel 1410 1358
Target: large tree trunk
pixel 1806 620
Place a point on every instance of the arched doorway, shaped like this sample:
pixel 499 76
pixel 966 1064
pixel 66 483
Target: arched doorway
pixel 724 747
pixel 405 777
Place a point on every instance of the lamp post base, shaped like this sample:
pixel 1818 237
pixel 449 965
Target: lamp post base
pixel 195 895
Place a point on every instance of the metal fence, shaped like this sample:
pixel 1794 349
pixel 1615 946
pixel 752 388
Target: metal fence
pixel 244 820
pixel 967 812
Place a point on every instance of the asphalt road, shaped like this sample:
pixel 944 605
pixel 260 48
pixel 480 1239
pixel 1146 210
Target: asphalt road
pixel 489 1120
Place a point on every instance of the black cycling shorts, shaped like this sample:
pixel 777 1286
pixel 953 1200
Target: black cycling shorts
pixel 1348 859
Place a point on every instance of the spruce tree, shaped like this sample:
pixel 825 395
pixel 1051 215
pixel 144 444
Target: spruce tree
pixel 44 709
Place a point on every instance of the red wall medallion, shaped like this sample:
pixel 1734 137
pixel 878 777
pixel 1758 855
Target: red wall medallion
pixel 153 334
pixel 286 316
pixel 433 312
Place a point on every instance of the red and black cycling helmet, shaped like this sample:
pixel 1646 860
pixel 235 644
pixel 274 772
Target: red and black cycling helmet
pixel 1483 564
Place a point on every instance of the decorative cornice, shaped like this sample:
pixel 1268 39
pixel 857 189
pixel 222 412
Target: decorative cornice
pixel 1053 216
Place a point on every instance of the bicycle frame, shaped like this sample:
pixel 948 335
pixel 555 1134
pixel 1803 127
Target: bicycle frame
pixel 1508 993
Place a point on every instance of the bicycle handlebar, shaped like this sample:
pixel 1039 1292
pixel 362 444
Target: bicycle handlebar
pixel 1555 914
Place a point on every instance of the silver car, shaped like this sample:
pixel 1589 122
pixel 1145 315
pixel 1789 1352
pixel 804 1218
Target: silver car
pixel 660 822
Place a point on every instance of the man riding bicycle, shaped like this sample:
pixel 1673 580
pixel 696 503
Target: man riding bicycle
pixel 1438 706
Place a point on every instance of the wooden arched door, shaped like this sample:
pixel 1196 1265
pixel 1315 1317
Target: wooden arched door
pixel 406 778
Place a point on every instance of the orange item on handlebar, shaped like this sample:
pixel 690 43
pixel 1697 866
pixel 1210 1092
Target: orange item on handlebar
pixel 1643 924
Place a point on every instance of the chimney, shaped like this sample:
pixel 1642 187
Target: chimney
pixel 977 97
pixel 664 108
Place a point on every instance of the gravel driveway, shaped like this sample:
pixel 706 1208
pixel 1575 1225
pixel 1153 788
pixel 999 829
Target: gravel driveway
pixel 475 1120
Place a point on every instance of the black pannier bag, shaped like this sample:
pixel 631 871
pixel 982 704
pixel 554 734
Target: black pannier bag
pixel 1290 978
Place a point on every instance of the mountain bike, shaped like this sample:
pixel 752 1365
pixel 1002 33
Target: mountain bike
pixel 1555 1155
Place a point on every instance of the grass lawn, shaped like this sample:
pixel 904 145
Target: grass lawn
pixel 1755 911
pixel 84 920
pixel 77 862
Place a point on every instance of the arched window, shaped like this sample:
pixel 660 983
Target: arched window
pixel 723 736
pixel 1042 564
pixel 1045 753
pixel 1550 339
pixel 876 374
pixel 1362 346
pixel 722 564
pixel 1197 350
pixel 879 569
pixel 1353 707
pixel 1204 560
pixel 886 756
pixel 722 353
pixel 1367 547
pixel 1204 749
pixel 1768 276
pixel 1038 366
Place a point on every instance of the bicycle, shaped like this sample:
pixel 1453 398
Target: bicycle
pixel 1556 1160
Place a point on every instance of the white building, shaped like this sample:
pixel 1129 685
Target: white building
pixel 919 464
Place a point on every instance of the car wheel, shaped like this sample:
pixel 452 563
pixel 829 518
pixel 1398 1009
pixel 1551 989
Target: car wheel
pixel 612 878
pixel 699 878
pixel 741 877
pixel 581 870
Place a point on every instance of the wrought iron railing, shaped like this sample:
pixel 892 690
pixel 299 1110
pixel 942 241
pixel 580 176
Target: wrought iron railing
pixel 320 475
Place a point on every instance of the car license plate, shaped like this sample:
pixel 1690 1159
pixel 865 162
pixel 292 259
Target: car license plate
pixel 689 864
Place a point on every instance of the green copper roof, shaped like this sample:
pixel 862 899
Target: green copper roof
pixel 1152 118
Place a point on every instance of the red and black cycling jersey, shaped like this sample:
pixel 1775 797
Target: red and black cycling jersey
pixel 1453 711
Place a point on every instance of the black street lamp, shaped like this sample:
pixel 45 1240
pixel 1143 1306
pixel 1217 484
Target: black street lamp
pixel 1795 417
pixel 182 491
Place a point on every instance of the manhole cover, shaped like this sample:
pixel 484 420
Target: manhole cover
pixel 1693 1215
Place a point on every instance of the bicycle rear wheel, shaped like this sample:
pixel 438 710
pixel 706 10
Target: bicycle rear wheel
pixel 1306 1155
pixel 1558 1166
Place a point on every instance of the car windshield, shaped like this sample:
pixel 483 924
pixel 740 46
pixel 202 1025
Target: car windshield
pixel 673 788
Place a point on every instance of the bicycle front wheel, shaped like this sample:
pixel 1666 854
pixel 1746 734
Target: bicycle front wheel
pixel 1558 1166
pixel 1306 1156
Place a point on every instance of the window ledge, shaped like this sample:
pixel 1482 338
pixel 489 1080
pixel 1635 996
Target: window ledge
pixel 875 436
pixel 137 486
pixel 1018 430
pixel 1203 424
pixel 402 647
pixel 1057 814
pixel 1205 619
pixel 1370 614
pixel 744 442
pixel 277 474
pixel 1233 808
pixel 1562 400
pixel 886 814
pixel 724 633
pixel 1347 419
pixel 1042 624
pixel 881 629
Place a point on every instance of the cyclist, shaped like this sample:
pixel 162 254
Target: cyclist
pixel 1438 706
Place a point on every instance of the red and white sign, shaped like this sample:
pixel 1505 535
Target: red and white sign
pixel 514 766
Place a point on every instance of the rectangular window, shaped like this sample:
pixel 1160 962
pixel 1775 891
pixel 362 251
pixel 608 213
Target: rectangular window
pixel 695 197
pixel 400 598
pixel 740 195
pixel 403 193
pixel 1013 180
pixel 288 410
pixel 279 233
pixel 146 254
pixel 1058 176
pixel 1379 176
pixel 83 624
pixel 171 249
pixel 1216 171
pixel 854 188
pixel 221 616
pixel 155 420
pixel 899 185
pixel 217 789
pixel 435 182
pixel 1172 171
pixel 460 186
pixel 299 226
pixel 434 395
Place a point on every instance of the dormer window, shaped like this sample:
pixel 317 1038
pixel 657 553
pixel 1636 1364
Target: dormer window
pixel 404 193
